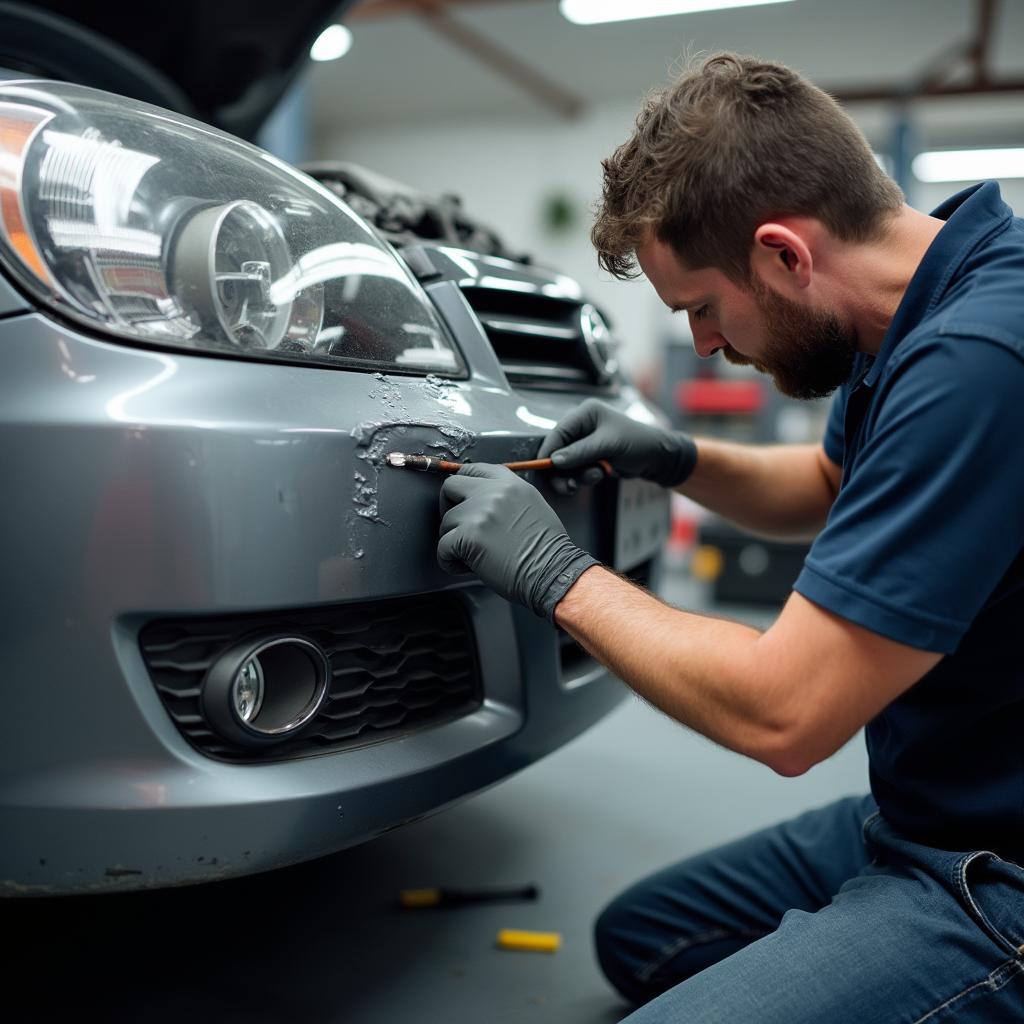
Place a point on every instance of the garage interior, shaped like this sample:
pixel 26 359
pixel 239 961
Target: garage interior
pixel 511 107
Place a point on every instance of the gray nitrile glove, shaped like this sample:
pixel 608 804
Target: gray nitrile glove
pixel 498 526
pixel 597 431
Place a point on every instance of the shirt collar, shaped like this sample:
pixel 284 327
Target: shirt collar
pixel 970 216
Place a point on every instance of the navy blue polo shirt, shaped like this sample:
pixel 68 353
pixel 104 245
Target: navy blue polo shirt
pixel 924 541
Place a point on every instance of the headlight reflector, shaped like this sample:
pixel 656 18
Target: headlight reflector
pixel 161 230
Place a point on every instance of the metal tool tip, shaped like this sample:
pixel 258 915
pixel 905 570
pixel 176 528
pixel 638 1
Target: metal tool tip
pixel 395 459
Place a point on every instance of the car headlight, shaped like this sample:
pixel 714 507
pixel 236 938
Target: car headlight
pixel 157 229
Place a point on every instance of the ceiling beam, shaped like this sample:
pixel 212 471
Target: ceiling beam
pixel 434 14
pixel 981 48
pixel 901 93
pixel 939 79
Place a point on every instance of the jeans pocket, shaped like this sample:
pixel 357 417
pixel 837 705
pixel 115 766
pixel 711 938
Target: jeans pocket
pixel 992 892
pixel 867 831
pixel 867 828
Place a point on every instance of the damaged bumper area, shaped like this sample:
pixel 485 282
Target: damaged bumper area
pixel 165 508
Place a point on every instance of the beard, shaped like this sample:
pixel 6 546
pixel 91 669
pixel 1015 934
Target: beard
pixel 808 354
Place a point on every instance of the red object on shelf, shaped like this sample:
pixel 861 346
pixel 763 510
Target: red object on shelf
pixel 684 532
pixel 720 396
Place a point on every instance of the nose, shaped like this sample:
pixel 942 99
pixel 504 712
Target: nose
pixel 708 344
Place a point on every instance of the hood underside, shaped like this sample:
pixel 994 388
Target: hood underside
pixel 227 63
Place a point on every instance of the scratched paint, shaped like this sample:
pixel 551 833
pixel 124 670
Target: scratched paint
pixel 438 388
pixel 375 438
pixel 386 391
pixel 370 449
pixel 372 445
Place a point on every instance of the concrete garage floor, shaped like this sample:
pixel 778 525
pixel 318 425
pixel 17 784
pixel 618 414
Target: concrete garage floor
pixel 322 942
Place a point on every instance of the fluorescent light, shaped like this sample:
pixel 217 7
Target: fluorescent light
pixel 596 12
pixel 969 164
pixel 334 42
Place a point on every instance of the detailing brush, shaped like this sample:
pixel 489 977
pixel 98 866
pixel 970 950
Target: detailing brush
pixel 431 464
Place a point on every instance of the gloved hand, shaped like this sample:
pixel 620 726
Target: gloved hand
pixel 498 526
pixel 597 431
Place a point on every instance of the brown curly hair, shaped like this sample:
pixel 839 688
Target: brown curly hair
pixel 733 142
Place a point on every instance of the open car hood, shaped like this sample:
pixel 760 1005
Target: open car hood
pixel 224 62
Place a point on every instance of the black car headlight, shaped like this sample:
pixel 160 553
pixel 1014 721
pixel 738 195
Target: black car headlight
pixel 160 230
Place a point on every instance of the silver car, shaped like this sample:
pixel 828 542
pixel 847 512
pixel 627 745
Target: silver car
pixel 227 645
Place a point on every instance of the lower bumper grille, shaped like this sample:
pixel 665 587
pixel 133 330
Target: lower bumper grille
pixel 395 666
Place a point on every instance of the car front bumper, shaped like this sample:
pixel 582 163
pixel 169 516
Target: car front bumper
pixel 140 485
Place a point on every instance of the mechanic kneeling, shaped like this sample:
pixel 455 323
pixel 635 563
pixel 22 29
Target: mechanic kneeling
pixel 751 202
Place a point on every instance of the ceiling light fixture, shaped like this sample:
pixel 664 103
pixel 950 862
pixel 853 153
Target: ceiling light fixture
pixel 597 12
pixel 334 42
pixel 969 164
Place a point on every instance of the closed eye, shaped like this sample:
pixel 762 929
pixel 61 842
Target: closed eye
pixel 699 314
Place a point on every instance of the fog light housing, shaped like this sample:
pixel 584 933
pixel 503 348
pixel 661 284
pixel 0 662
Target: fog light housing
pixel 266 689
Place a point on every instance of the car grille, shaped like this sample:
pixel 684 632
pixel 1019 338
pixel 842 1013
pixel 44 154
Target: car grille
pixel 540 341
pixel 396 666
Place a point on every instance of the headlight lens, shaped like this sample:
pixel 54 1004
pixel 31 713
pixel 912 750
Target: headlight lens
pixel 159 229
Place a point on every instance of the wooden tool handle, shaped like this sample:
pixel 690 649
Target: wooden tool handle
pixel 520 467
pixel 445 466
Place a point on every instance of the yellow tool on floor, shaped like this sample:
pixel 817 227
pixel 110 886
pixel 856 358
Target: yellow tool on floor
pixel 534 942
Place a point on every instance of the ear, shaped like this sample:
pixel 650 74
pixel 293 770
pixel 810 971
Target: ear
pixel 782 256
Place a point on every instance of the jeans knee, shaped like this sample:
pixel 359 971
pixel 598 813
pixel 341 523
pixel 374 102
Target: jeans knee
pixel 643 951
pixel 619 948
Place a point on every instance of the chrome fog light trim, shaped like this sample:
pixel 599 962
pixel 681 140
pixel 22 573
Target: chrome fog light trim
pixel 266 689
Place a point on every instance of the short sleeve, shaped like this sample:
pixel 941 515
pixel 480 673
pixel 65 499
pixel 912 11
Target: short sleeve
pixel 834 442
pixel 931 515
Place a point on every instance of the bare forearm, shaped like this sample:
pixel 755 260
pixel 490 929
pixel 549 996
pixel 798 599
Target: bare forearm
pixel 704 672
pixel 773 490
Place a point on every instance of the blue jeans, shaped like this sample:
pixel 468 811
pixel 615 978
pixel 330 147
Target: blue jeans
pixel 832 917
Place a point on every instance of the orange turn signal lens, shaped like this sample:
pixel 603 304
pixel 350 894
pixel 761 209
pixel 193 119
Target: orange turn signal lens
pixel 19 125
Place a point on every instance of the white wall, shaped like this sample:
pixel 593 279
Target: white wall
pixel 503 168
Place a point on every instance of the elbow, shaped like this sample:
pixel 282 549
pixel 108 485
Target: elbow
pixel 791 731
pixel 788 754
pixel 791 766
pixel 790 728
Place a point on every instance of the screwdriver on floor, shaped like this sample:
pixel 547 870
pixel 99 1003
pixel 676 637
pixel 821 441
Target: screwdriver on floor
pixel 444 897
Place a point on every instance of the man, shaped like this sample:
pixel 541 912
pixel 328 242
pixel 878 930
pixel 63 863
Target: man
pixel 750 200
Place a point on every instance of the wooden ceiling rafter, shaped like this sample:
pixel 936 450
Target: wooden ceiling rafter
pixel 435 15
pixel 941 77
